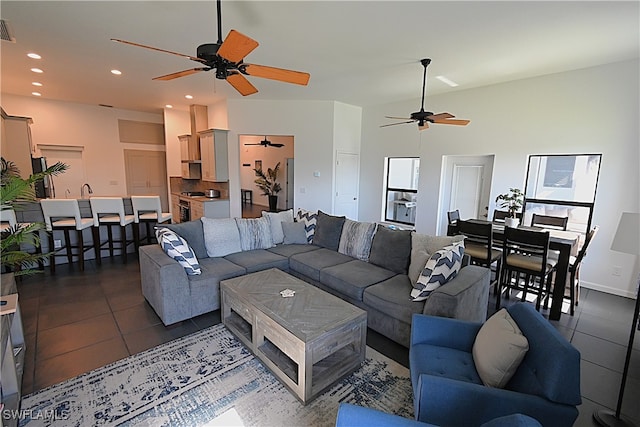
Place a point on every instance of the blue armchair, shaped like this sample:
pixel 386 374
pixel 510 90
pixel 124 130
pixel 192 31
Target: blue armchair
pixel 448 390
pixel 358 416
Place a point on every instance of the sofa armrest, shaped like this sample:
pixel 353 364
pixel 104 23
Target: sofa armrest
pixel 165 284
pixel 356 416
pixel 444 401
pixel 466 297
pixel 443 332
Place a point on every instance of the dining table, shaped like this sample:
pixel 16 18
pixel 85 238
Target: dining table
pixel 566 243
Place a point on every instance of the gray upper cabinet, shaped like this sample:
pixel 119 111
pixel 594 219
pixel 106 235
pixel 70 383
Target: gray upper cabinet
pixel 214 155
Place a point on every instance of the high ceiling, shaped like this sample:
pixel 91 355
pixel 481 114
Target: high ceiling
pixel 361 52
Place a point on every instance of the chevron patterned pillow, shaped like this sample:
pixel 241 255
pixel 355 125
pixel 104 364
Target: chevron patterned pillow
pixel 309 219
pixel 443 266
pixel 178 248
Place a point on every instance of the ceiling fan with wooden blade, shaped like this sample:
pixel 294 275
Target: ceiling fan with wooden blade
pixel 227 59
pixel 266 143
pixel 422 117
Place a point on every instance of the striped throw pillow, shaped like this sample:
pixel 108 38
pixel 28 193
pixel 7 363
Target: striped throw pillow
pixel 178 248
pixel 309 219
pixel 441 267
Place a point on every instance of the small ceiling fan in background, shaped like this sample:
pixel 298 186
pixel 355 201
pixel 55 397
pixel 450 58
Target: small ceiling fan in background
pixel 227 58
pixel 425 117
pixel 266 143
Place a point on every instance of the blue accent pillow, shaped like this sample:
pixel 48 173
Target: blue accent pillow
pixel 177 248
pixel 441 267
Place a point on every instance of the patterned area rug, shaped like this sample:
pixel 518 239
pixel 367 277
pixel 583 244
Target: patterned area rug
pixel 208 379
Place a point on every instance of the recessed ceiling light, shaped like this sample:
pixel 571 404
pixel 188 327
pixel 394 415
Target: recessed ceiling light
pixel 116 72
pixel 188 96
pixel 36 94
pixel 445 80
pixel 34 55
pixel 169 106
pixel 37 70
pixel 36 84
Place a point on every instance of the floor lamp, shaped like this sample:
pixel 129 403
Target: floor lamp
pixel 627 240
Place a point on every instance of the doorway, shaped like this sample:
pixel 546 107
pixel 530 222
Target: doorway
pixel 67 185
pixel 466 186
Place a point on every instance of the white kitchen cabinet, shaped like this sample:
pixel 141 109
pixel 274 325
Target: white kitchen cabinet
pixel 214 155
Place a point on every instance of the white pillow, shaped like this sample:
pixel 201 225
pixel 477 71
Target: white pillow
pixel 255 233
pixel 499 349
pixel 441 267
pixel 221 236
pixel 177 248
pixel 275 222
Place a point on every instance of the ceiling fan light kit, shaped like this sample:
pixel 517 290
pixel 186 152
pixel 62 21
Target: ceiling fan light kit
pixel 422 117
pixel 227 59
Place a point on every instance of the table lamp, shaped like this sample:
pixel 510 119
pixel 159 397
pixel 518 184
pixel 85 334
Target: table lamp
pixel 627 240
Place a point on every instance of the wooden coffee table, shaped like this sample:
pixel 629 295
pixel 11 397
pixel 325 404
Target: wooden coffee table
pixel 309 341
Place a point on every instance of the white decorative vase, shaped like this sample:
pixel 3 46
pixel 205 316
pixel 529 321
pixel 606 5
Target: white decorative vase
pixel 511 222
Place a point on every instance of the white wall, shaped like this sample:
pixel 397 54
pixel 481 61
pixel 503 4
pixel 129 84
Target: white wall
pixel 93 127
pixel 311 125
pixel 593 110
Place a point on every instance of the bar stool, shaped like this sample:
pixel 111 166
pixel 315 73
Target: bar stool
pixel 64 215
pixel 147 209
pixel 109 211
pixel 247 196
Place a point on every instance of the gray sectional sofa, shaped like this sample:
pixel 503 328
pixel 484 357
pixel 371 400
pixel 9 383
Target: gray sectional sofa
pixel 376 279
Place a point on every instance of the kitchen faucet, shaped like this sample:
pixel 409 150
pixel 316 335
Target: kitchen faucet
pixel 88 189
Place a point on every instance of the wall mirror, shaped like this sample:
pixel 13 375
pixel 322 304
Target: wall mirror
pixel 562 185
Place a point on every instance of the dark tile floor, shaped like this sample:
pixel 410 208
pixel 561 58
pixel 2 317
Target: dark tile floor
pixel 78 321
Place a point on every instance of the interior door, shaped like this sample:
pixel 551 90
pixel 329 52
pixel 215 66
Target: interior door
pixel 146 173
pixel 347 184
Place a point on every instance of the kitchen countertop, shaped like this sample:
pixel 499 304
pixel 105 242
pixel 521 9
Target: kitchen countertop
pixel 200 198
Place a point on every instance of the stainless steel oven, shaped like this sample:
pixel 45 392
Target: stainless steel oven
pixel 185 210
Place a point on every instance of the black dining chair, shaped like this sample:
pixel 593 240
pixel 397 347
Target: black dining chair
pixel 547 221
pixel 525 253
pixel 574 270
pixel 500 216
pixel 478 244
pixel 453 217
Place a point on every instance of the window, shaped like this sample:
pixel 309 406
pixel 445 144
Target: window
pixel 401 189
pixel 562 185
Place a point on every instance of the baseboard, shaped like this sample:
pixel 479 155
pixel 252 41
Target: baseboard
pixel 608 289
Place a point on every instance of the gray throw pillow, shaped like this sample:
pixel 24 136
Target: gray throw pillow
pixel 255 233
pixel 391 249
pixel 356 239
pixel 221 236
pixel 192 232
pixel 328 231
pixel 294 233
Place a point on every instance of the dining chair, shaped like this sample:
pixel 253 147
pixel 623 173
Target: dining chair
pixel 525 253
pixel 547 221
pixel 109 211
pixel 574 270
pixel 500 216
pixel 478 244
pixel 64 215
pixel 148 210
pixel 453 217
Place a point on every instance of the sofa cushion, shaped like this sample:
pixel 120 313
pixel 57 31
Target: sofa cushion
pixel 221 236
pixel 177 248
pixel 441 267
pixel 310 263
pixel 499 349
pixel 391 249
pixel 294 233
pixel 422 247
pixel 192 232
pixel 353 277
pixel 309 219
pixel 356 239
pixel 290 250
pixel 216 269
pixel 255 233
pixel 258 260
pixel 328 231
pixel 392 297
pixel 275 223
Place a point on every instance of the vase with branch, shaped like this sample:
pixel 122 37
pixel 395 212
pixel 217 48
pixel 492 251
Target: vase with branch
pixel 513 202
pixel 268 183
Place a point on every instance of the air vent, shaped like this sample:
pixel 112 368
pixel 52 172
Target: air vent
pixel 6 32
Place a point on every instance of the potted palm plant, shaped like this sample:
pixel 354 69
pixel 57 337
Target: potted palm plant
pixel 513 202
pixel 268 183
pixel 15 192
